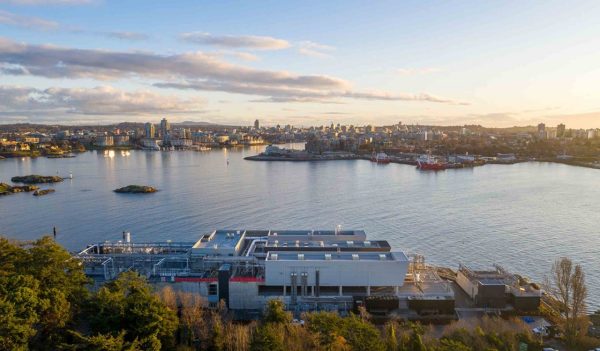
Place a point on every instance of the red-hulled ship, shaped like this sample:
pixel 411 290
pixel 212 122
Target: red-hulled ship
pixel 381 157
pixel 429 163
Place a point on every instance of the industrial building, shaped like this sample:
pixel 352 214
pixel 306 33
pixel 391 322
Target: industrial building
pixel 307 269
pixel 498 289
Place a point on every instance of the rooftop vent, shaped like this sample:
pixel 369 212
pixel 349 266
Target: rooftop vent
pixel 355 257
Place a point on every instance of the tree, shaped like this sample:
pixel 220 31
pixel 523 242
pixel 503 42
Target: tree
pixel 568 287
pixel 391 340
pixel 416 342
pixel 361 335
pixel 327 325
pixel 41 290
pixel 275 312
pixel 268 337
pixel 103 342
pixel 128 304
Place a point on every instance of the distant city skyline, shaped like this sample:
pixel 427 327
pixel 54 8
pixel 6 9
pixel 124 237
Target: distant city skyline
pixel 79 62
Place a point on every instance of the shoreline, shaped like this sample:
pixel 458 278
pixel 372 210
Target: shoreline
pixel 409 162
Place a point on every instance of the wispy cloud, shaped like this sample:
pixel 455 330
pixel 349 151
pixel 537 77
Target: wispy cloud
pixel 416 71
pixel 309 48
pixel 37 23
pixel 102 100
pixel 192 71
pixel 236 41
pixel 12 19
pixel 124 35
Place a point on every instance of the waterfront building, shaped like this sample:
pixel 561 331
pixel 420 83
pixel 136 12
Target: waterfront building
pixel 335 270
pixel 150 130
pixel 165 128
pixel 256 124
pixel 105 140
pixel 498 289
pixel 150 144
pixel 181 143
pixel 121 140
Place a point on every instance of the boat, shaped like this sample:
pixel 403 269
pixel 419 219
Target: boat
pixel 380 157
pixel 430 163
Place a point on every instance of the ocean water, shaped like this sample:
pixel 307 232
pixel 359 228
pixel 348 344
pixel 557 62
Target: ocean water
pixel 521 216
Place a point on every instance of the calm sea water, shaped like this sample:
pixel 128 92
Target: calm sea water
pixel 521 216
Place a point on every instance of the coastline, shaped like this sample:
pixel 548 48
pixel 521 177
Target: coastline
pixel 409 162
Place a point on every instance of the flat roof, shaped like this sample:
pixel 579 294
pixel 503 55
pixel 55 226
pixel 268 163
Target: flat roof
pixel 222 238
pixel 273 242
pixel 335 256
pixel 316 232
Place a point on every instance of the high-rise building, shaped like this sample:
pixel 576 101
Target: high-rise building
pixel 560 130
pixel 542 131
pixel 165 128
pixel 150 130
pixel 256 124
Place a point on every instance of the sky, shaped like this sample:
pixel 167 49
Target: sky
pixel 493 63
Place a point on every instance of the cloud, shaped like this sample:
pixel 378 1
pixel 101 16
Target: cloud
pixel 9 18
pixel 36 23
pixel 58 62
pixel 98 101
pixel 246 56
pixel 48 2
pixel 402 97
pixel 191 71
pixel 125 35
pixel 309 48
pixel 416 71
pixel 236 41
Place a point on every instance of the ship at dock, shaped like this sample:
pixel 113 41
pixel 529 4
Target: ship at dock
pixel 430 163
pixel 381 158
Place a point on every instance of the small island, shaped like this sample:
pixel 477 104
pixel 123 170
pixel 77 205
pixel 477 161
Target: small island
pixel 36 179
pixel 42 192
pixel 136 189
pixel 6 189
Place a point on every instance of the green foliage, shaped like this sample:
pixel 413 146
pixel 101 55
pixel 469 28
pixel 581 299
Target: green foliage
pixel 275 312
pixel 103 342
pixel 41 290
pixel 416 342
pixel 128 304
pixel 361 335
pixel 327 325
pixel 268 337
pixel 451 345
pixel 45 305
